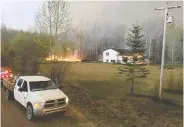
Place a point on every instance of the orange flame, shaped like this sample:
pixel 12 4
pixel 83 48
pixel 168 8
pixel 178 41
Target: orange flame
pixel 69 59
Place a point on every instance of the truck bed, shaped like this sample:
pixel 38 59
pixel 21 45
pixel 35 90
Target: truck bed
pixel 8 83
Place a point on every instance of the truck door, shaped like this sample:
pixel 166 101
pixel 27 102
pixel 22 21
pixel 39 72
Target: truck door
pixel 17 94
pixel 24 93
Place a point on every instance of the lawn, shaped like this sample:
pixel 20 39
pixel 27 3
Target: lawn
pixel 104 80
pixel 115 105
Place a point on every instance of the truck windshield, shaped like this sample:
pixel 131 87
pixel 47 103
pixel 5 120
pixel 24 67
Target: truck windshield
pixel 42 85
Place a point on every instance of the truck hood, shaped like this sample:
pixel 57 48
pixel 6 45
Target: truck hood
pixel 48 94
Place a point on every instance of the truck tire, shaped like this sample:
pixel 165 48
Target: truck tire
pixel 29 112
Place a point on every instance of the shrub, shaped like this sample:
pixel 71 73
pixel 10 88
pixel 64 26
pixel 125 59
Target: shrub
pixel 58 72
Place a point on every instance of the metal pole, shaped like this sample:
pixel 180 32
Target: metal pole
pixel 163 52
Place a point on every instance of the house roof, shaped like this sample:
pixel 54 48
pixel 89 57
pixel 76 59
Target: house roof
pixel 126 52
pixel 121 51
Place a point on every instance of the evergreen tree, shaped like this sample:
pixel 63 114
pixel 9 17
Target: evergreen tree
pixel 133 72
pixel 135 42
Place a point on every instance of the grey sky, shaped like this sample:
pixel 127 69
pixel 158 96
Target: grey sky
pixel 20 15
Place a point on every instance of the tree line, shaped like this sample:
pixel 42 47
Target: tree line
pixel 54 34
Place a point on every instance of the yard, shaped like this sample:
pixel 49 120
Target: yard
pixel 143 109
pixel 105 80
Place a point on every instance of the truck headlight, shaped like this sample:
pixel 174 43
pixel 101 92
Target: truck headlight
pixel 67 100
pixel 38 105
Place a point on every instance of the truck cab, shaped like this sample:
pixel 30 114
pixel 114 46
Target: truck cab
pixel 39 95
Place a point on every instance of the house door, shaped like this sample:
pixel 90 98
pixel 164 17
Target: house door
pixel 113 61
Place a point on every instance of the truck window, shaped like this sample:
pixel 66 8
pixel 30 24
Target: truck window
pixel 42 85
pixel 19 82
pixel 24 86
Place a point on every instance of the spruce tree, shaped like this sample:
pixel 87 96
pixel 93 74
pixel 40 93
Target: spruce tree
pixel 133 72
pixel 135 42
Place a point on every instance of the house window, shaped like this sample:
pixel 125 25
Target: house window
pixel 113 61
pixel 107 53
pixel 107 60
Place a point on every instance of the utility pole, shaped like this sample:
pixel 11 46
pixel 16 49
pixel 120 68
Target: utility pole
pixel 166 8
pixel 149 49
pixel 146 47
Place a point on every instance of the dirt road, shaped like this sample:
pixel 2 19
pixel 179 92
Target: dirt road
pixel 13 115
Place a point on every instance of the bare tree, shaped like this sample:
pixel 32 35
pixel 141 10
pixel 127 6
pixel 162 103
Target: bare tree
pixel 175 35
pixel 54 20
pixel 93 38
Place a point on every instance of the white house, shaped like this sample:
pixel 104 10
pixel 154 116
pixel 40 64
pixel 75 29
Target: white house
pixel 113 55
pixel 118 56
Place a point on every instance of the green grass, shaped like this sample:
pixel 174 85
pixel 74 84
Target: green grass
pixel 143 109
pixel 104 80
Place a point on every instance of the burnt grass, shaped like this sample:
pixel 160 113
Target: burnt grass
pixel 131 111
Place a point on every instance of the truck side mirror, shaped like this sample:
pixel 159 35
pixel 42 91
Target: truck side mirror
pixel 20 89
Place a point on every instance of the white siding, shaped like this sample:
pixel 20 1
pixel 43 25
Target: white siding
pixel 112 55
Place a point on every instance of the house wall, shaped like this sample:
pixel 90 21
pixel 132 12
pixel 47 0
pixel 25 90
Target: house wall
pixel 113 55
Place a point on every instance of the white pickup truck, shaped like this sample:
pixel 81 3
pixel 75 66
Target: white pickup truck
pixel 38 94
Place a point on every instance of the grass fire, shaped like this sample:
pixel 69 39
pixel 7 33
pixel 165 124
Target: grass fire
pixel 60 58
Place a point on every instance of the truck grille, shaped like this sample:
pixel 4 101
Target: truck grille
pixel 55 103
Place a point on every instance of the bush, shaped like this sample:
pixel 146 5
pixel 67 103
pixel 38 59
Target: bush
pixel 58 72
pixel 23 53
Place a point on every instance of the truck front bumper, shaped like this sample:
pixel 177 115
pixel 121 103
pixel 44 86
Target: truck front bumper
pixel 43 112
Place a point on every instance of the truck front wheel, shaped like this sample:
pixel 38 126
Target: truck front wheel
pixel 29 113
